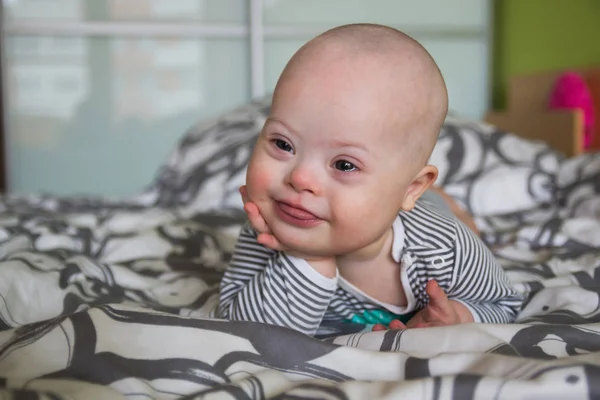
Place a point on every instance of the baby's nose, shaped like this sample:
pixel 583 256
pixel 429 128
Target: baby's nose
pixel 303 178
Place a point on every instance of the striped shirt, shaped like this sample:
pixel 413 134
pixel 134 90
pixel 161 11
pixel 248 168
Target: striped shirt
pixel 268 286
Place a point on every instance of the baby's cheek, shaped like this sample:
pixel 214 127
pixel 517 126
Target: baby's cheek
pixel 363 216
pixel 356 208
pixel 258 182
pixel 350 215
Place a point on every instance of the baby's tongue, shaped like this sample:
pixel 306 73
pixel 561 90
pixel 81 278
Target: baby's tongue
pixel 296 212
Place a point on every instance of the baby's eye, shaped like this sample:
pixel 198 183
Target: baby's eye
pixel 344 166
pixel 283 145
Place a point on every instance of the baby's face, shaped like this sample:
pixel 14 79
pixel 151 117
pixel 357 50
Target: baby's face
pixel 327 172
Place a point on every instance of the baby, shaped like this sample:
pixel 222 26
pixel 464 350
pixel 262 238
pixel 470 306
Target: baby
pixel 337 230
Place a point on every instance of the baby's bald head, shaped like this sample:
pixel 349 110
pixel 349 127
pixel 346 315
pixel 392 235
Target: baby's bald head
pixel 396 70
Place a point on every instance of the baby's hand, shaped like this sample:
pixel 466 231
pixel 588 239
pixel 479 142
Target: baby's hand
pixel 265 237
pixel 439 312
pixel 324 265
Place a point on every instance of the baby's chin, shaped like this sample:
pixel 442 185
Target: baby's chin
pixel 311 242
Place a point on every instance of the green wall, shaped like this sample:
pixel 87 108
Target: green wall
pixel 540 35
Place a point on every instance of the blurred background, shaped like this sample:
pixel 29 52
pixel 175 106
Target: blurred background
pixel 97 92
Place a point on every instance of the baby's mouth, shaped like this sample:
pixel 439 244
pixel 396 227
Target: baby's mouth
pixel 297 212
pixel 295 215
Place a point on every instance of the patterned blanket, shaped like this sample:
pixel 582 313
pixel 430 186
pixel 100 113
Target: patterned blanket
pixel 113 298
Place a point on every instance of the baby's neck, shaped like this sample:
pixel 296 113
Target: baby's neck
pixel 374 271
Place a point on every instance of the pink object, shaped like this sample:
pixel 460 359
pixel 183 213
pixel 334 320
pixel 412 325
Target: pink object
pixel 571 91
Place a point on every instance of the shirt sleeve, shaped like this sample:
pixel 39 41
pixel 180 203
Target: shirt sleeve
pixel 480 283
pixel 263 285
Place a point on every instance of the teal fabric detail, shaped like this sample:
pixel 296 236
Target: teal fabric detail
pixel 380 316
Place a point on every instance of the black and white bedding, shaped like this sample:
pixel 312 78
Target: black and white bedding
pixel 109 298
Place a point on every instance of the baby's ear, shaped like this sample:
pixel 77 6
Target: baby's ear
pixel 420 183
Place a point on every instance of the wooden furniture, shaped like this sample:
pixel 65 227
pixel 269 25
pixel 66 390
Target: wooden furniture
pixel 527 114
pixel 560 129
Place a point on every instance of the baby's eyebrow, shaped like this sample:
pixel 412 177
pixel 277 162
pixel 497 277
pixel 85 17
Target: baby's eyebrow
pixel 345 144
pixel 271 120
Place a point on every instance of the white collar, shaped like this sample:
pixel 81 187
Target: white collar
pixel 398 240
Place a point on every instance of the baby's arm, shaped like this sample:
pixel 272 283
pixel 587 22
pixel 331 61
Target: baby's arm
pixel 480 283
pixel 268 286
pixel 480 290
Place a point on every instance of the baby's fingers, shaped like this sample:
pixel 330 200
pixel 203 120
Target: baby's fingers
pixel 438 301
pixel 394 325
pixel 256 219
pixel 397 325
pixel 244 193
pixel 270 241
pixel 254 215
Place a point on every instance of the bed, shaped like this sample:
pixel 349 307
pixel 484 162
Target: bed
pixel 109 299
